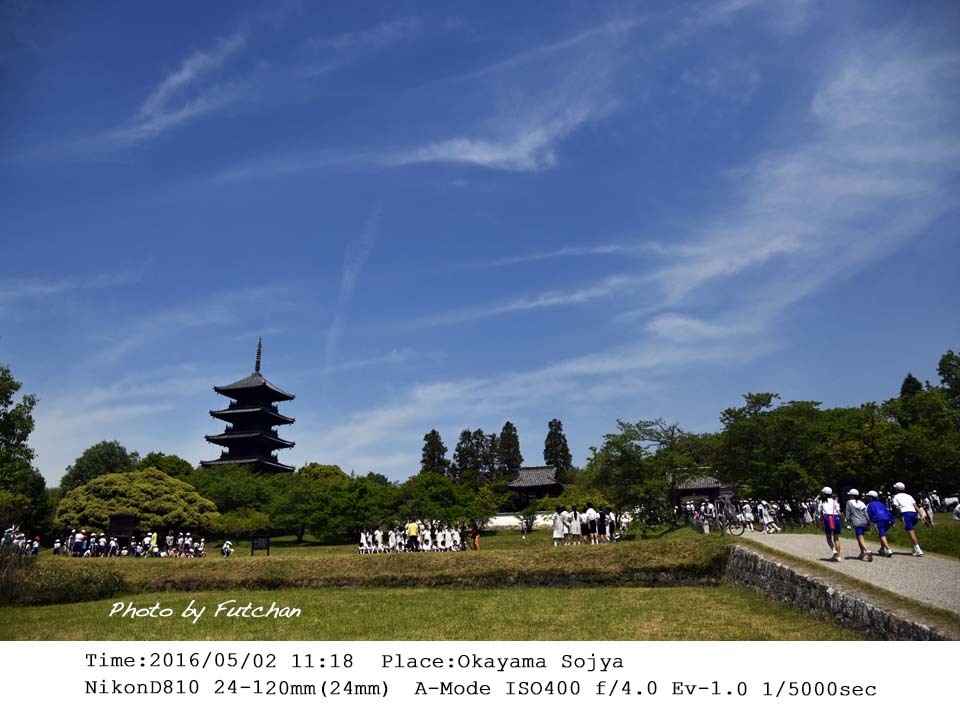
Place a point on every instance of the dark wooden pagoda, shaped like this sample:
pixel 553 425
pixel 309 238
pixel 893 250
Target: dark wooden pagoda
pixel 250 437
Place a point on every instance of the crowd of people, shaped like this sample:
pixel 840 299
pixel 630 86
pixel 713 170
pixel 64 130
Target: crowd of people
pixel 570 526
pixel 860 515
pixel 80 543
pixel 418 536
pixel 593 526
pixel 19 543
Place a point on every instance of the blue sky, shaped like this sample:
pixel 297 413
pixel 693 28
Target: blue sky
pixel 448 215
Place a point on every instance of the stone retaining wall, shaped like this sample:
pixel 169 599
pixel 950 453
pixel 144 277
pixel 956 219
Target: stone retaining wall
pixel 746 568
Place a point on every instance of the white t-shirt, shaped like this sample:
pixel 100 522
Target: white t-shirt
pixel 904 502
pixel 829 507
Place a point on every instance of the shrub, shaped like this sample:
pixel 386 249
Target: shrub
pixel 23 582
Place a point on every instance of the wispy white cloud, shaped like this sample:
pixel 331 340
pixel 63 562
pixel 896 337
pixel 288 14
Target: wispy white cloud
pixel 16 296
pixel 203 83
pixel 376 37
pixel 606 288
pixel 527 105
pixel 397 356
pixel 874 168
pixel 11 291
pixel 368 439
pixel 530 145
pixel 71 418
pixel 217 309
pixel 188 92
pixel 358 251
pixel 871 167
pixel 573 252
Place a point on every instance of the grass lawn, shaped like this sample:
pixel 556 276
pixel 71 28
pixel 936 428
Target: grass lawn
pixel 505 560
pixel 615 613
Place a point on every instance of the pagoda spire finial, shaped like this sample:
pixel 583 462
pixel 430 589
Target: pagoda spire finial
pixel 256 367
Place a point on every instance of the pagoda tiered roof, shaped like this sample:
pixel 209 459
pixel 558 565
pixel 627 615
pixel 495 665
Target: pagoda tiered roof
pixel 260 463
pixel 236 413
pixel 249 438
pixel 255 386
pixel 234 438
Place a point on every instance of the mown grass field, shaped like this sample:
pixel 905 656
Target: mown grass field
pixel 505 560
pixel 618 613
pixel 511 589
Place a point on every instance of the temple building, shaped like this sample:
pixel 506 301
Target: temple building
pixel 534 482
pixel 250 437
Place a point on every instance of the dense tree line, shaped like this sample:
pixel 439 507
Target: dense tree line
pixel 770 448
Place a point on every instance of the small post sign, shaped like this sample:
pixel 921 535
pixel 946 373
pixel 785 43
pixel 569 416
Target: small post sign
pixel 260 542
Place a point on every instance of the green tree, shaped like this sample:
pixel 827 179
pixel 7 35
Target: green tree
pixel 466 457
pixel 105 457
pixel 322 472
pixel 232 487
pixel 432 496
pixel 156 500
pixel 556 453
pixel 434 453
pixel 295 499
pixel 509 458
pixel 242 522
pixel 772 451
pixel 483 504
pixel 625 472
pixel 23 497
pixel 16 420
pixel 910 386
pixel 949 370
pixel 168 463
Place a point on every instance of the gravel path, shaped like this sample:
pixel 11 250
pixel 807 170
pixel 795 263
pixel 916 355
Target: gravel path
pixel 932 579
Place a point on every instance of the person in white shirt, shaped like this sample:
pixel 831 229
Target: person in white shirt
pixel 747 512
pixel 571 522
pixel 769 527
pixel 830 513
pixel 559 527
pixel 856 516
pixel 591 515
pixel 909 511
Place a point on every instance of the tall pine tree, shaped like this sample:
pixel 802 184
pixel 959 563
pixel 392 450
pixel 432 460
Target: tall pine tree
pixel 910 386
pixel 465 462
pixel 434 454
pixel 509 458
pixel 556 453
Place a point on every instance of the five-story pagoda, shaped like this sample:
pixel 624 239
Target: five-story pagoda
pixel 250 437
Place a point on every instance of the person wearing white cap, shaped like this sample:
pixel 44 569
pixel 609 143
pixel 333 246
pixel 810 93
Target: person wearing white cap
pixel 856 515
pixel 880 515
pixel 830 513
pixel 766 519
pixel 909 511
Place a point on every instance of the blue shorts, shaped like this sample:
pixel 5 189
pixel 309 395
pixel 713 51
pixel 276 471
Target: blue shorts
pixel 831 524
pixel 883 526
pixel 859 531
pixel 909 520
